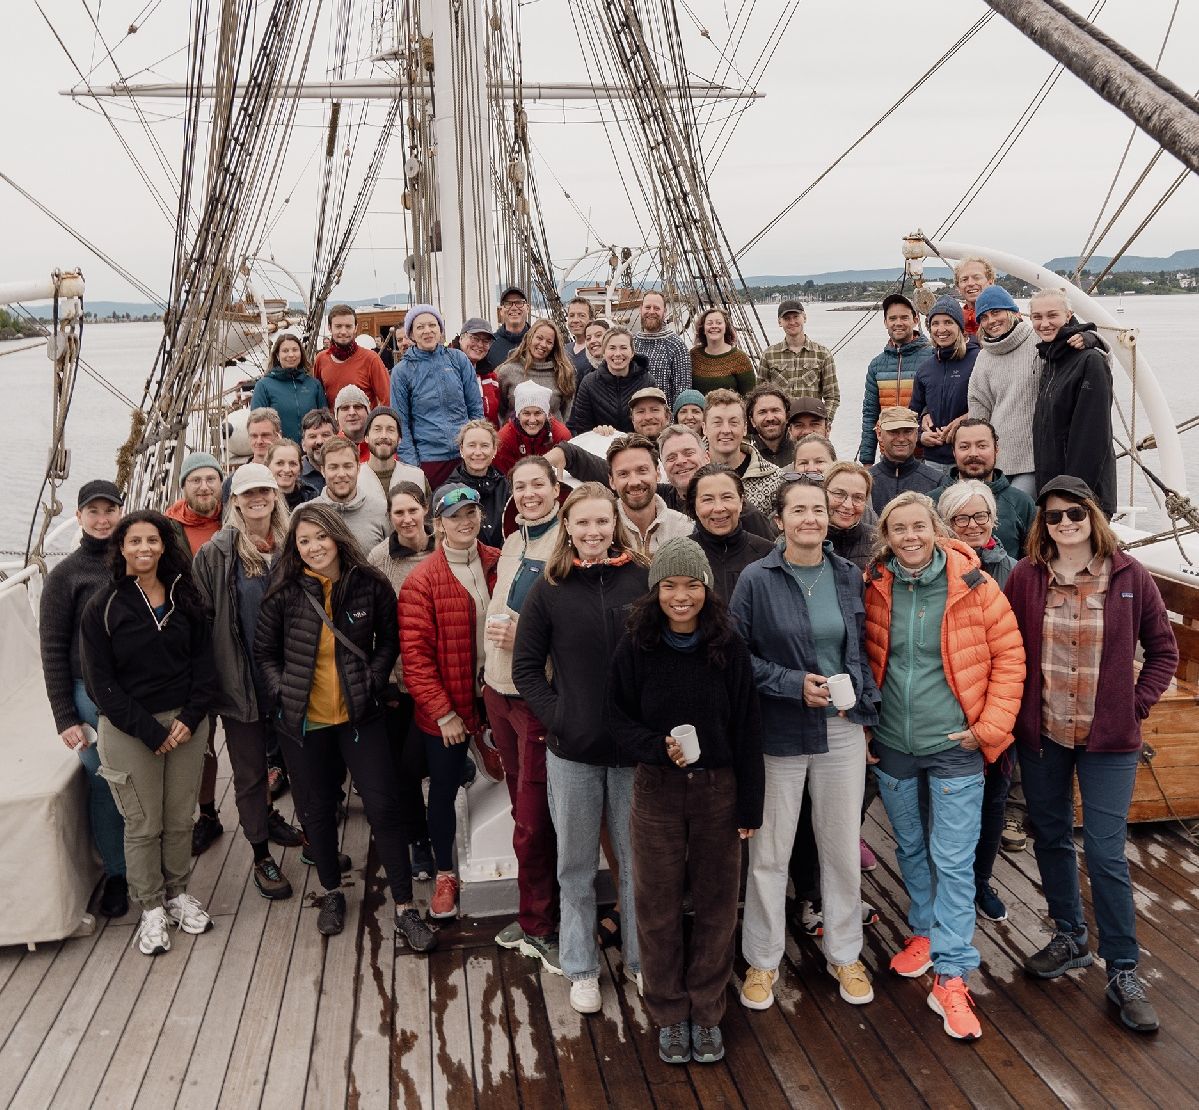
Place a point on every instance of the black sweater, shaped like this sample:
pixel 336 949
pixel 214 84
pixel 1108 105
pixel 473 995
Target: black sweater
pixel 652 690
pixel 493 491
pixel 135 666
pixel 729 556
pixel 576 624
pixel 68 589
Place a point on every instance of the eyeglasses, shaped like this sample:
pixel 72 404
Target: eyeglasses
pixel 1077 514
pixel 456 497
pixel 962 520
pixel 840 496
pixel 509 304
pixel 805 479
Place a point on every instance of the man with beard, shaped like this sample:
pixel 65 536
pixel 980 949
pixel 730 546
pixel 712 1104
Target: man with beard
pixel 345 363
pixel 975 447
pixel 725 427
pixel 766 408
pixel 667 354
pixel 316 429
pixel 799 365
pixel 514 322
pixel 899 469
pixel 351 412
pixel 382 462
pixel 363 515
pixel 891 373
pixel 633 476
pixel 198 511
pixel 649 412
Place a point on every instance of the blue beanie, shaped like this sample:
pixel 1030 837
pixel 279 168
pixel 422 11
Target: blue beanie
pixel 688 397
pixel 947 306
pixel 994 296
pixel 198 460
pixel 418 310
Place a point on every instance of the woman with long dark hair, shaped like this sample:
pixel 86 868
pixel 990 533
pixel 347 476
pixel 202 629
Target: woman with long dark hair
pixel 1084 607
pixel 680 663
pixel 326 641
pixel 572 619
pixel 147 663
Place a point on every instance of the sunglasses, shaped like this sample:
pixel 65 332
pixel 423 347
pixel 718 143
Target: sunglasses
pixel 456 497
pixel 1077 514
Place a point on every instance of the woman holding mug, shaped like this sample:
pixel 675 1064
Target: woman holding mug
pixel 800 610
pixel 572 619
pixel 147 663
pixel 947 655
pixel 681 661
pixel 1084 607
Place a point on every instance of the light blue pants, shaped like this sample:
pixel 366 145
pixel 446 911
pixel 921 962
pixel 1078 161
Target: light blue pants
pixel 578 793
pixel 939 872
pixel 108 826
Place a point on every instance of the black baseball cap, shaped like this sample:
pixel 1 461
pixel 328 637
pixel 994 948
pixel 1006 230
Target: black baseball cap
pixel 100 490
pixel 1067 486
pixel 514 289
pixel 789 306
pixel 807 406
pixel 898 298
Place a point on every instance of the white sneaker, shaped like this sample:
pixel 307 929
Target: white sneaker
pixel 152 936
pixel 188 914
pixel 585 996
pixel 634 977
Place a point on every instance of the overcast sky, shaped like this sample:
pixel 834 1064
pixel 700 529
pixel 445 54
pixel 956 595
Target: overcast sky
pixel 837 68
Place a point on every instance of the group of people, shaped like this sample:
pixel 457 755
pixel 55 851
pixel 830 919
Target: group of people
pixel 717 639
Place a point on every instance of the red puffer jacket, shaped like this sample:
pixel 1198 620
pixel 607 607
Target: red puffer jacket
pixel 437 641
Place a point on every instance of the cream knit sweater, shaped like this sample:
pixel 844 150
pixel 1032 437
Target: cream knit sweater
pixel 1003 390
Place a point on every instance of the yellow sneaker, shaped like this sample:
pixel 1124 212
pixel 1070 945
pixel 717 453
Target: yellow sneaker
pixel 855 982
pixel 757 992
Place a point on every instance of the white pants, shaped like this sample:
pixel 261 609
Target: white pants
pixel 836 782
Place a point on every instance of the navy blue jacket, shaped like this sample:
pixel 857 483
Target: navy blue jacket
pixel 769 606
pixel 942 384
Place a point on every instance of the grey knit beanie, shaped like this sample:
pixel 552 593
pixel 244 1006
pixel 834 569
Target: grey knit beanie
pixel 198 460
pixel 680 557
pixel 948 306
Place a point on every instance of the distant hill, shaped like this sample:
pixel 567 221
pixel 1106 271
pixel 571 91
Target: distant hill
pixel 836 277
pixel 1179 260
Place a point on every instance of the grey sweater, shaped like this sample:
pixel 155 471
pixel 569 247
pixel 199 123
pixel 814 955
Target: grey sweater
pixel 1003 390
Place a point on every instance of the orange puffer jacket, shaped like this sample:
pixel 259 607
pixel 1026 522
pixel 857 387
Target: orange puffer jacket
pixel 981 645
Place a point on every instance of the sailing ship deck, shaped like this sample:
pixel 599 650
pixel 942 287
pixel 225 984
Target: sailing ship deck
pixel 262 1011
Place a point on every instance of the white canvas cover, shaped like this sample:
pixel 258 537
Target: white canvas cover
pixel 48 868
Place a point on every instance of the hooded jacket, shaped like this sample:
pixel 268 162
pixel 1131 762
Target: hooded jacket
pixel 493 491
pixel 890 378
pixel 603 398
pixel 437 641
pixel 435 392
pixel 891 479
pixel 288 636
pixel 769 606
pixel 292 394
pixel 515 443
pixel 576 625
pixel 981 649
pixel 728 556
pixel 1133 614
pixel 1072 426
pixel 941 391
pixel 197 529
pixel 1016 509
pixel 1003 389
pixel 136 665
pixel 363 514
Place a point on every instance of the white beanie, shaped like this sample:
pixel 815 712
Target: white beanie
pixel 531 395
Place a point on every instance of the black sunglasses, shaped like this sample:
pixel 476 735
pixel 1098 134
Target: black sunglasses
pixel 1077 514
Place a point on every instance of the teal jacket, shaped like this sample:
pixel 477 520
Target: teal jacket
pixel 292 394
pixel 1015 510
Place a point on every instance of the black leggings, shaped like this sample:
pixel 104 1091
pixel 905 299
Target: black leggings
pixel 446 765
pixel 315 762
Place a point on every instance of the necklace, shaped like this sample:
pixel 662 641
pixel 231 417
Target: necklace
pixel 799 577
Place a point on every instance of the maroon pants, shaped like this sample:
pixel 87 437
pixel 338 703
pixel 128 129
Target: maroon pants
pixel 520 740
pixel 439 473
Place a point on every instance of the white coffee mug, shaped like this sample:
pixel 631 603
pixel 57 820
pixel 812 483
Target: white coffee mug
pixel 840 689
pixel 688 740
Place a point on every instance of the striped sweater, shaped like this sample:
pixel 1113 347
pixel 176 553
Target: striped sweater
pixel 889 380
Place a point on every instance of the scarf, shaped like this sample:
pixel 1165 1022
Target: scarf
pixel 342 352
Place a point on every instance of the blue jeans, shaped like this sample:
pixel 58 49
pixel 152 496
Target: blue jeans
pixel 939 872
pixel 1105 780
pixel 577 794
pixel 108 826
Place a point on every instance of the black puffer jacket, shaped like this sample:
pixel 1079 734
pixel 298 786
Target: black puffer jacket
pixel 288 634
pixel 729 555
pixel 603 398
pixel 493 491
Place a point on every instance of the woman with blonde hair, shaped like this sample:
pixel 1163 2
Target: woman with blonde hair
pixel 1084 608
pixel 232 572
pixel 946 654
pixel 572 619
pixel 540 357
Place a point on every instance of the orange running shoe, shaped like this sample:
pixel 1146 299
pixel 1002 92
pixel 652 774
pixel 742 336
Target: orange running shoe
pixel 914 960
pixel 951 999
pixel 445 897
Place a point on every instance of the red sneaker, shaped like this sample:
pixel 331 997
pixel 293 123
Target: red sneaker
pixel 914 960
pixel 951 999
pixel 490 762
pixel 445 897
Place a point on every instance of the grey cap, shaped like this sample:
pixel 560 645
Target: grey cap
pixel 476 325
pixel 789 306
